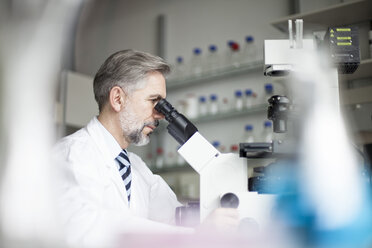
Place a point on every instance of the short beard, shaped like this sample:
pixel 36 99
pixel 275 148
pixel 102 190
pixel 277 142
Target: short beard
pixel 137 138
pixel 132 129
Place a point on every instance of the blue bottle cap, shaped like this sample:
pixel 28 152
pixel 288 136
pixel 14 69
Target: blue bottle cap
pixel 216 143
pixel 269 88
pixel 197 51
pixel 249 38
pixel 248 92
pixel 238 93
pixel 248 127
pixel 230 43
pixel 267 124
pixel 179 59
pixel 212 48
pixel 202 99
pixel 213 97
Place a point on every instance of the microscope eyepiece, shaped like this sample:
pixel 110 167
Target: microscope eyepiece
pixel 164 107
pixel 179 126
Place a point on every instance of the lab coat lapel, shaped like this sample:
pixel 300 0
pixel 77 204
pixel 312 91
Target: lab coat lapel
pixel 110 164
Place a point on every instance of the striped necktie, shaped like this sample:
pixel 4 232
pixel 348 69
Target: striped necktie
pixel 125 170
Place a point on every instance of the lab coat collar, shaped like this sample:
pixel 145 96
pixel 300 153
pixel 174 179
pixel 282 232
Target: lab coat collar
pixel 114 148
pixel 110 149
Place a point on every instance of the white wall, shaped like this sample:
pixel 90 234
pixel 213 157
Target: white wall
pixel 108 26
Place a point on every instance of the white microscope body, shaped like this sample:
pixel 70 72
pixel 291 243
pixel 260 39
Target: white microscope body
pixel 222 173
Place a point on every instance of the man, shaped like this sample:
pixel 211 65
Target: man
pixel 105 190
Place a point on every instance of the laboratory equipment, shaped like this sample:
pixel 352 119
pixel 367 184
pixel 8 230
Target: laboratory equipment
pixel 219 173
pixel 317 181
pixel 224 177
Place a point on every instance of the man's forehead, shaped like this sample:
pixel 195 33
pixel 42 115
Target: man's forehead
pixel 153 85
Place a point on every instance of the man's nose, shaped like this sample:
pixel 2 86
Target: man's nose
pixel 157 115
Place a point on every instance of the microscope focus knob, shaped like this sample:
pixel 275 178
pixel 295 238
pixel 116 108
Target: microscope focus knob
pixel 229 200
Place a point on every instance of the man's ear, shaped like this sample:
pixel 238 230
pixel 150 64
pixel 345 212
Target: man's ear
pixel 116 98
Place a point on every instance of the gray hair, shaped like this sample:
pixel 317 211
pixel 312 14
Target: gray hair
pixel 125 69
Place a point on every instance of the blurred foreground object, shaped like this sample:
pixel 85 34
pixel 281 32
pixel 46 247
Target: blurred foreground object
pixel 323 198
pixel 32 38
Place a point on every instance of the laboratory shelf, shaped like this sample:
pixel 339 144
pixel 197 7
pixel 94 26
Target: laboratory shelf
pixel 231 114
pixel 232 70
pixel 259 108
pixel 335 15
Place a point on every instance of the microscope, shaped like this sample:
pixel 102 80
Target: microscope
pixel 340 47
pixel 224 177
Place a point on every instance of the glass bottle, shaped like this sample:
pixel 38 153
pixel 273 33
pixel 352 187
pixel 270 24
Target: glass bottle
pixel 249 137
pixel 225 107
pixel 235 54
pixel 267 132
pixel 269 91
pixel 238 100
pixel 249 53
pixel 213 104
pixel 248 98
pixel 196 62
pixel 180 69
pixel 228 55
pixel 203 108
pixel 212 60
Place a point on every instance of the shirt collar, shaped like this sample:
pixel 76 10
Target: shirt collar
pixel 112 145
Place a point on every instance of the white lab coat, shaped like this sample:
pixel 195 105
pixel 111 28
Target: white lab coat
pixel 92 200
